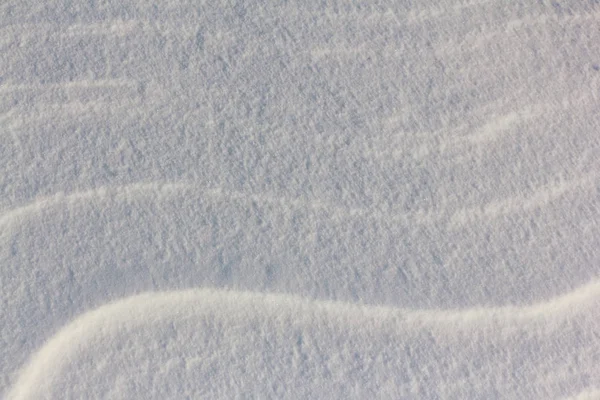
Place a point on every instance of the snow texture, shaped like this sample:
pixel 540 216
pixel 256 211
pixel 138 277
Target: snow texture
pixel 303 199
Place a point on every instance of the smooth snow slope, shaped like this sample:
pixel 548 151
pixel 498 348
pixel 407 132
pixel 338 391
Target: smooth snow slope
pixel 414 156
pixel 217 344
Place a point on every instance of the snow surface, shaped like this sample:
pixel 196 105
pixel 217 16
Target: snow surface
pixel 300 199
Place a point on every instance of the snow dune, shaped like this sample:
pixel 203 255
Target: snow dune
pixel 303 199
pixel 210 343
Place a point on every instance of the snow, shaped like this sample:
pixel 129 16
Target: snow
pixel 304 199
pixel 207 343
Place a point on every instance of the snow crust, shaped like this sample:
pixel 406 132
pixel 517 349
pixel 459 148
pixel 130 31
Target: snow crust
pixel 305 199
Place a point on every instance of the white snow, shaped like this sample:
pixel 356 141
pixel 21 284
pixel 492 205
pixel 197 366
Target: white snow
pixel 223 344
pixel 301 199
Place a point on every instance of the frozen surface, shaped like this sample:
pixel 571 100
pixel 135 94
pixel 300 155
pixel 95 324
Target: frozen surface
pixel 216 344
pixel 300 200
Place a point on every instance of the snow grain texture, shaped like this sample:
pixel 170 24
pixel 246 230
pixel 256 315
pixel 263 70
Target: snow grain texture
pixel 388 199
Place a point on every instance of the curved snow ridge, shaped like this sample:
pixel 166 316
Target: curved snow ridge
pixel 134 328
pixel 157 189
pixel 538 199
pixel 125 191
pixel 591 394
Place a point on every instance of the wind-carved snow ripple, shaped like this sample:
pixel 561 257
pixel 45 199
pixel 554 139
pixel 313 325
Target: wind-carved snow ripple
pixel 67 254
pixel 223 344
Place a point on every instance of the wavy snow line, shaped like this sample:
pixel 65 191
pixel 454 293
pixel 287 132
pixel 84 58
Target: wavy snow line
pixel 493 129
pixel 61 198
pixel 111 27
pixel 537 199
pixel 418 16
pixel 126 191
pixel 591 394
pixel 138 310
pixel 80 84
pixel 494 209
pixel 540 197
